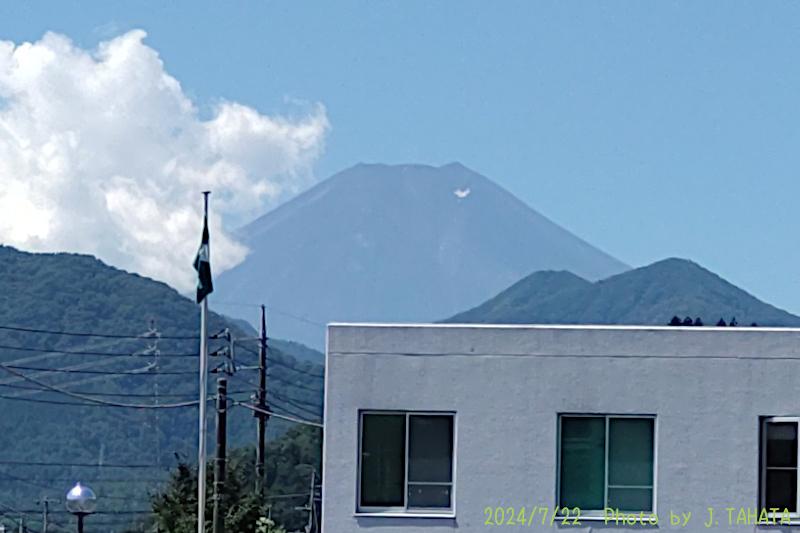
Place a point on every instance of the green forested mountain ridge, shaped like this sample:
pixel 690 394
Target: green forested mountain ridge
pixel 650 295
pixel 53 440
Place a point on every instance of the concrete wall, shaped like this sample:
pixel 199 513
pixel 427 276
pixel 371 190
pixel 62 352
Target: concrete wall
pixel 507 384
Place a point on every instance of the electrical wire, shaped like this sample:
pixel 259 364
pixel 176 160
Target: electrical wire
pixel 106 405
pixel 50 487
pixel 100 335
pixel 137 372
pixel 293 384
pixel 103 354
pixel 307 411
pixel 123 394
pixel 271 413
pixel 88 465
pixel 284 313
pixel 285 410
pixel 90 399
pixel 281 363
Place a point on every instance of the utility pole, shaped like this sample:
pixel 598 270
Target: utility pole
pixel 219 466
pixel 46 511
pixel 228 368
pixel 261 402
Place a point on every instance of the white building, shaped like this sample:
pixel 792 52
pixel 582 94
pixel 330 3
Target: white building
pixel 436 427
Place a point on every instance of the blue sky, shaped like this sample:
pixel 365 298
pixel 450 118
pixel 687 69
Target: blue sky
pixel 650 129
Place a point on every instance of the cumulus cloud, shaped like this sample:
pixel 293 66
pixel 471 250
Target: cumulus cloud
pixel 101 152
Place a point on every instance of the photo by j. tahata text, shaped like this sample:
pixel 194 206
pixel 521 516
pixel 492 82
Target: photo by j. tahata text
pixel 574 516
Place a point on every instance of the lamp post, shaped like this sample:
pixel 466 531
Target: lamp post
pixel 81 501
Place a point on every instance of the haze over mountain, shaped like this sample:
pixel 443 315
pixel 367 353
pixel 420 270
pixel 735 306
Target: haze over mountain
pixel 650 295
pixel 395 243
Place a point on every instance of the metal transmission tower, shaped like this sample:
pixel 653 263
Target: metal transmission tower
pixel 153 350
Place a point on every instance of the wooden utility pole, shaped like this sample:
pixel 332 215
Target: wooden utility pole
pixel 46 511
pixel 261 401
pixel 219 462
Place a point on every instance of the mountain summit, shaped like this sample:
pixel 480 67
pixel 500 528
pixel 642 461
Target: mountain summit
pixel 650 295
pixel 396 243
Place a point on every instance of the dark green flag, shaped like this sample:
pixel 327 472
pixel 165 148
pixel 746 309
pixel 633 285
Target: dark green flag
pixel 202 263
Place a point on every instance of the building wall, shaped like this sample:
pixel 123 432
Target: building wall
pixel 707 386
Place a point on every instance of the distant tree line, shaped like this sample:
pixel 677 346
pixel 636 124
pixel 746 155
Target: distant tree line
pixel 697 322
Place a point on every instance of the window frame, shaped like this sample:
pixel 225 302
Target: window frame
pixel 600 514
pixel 405 510
pixel 775 518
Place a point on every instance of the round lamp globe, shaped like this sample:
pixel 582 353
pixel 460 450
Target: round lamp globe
pixel 81 500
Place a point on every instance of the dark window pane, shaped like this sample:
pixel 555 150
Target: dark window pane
pixel 430 496
pixel 430 448
pixel 782 490
pixel 630 451
pixel 782 444
pixel 582 462
pixel 383 460
pixel 630 499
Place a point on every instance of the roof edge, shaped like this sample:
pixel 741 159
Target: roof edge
pixel 560 326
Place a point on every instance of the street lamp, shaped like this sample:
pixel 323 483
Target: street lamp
pixel 80 502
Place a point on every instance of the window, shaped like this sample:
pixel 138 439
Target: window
pixel 779 446
pixel 606 462
pixel 406 462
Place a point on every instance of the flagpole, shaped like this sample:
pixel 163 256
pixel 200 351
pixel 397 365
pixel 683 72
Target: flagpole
pixel 201 450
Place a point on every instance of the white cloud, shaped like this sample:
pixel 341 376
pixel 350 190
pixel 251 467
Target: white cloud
pixel 101 152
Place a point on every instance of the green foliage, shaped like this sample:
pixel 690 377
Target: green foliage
pixel 73 293
pixel 289 462
pixel 644 296
pixel 267 525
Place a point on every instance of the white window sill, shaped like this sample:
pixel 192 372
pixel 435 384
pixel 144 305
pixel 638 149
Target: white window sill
pixel 401 514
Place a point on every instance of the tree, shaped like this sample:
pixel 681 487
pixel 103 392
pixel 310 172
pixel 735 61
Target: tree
pixel 289 462
pixel 733 322
pixel 176 507
pixel 675 321
pixel 698 322
pixel 267 525
pixel 688 321
pixel 721 323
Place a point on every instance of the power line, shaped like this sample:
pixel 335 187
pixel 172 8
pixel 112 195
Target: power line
pixel 136 372
pixel 305 410
pixel 281 398
pixel 103 354
pixel 285 365
pixel 284 313
pixel 286 411
pixel 90 399
pixel 88 465
pixel 100 335
pixel 271 413
pixel 79 404
pixel 123 394
pixel 294 384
